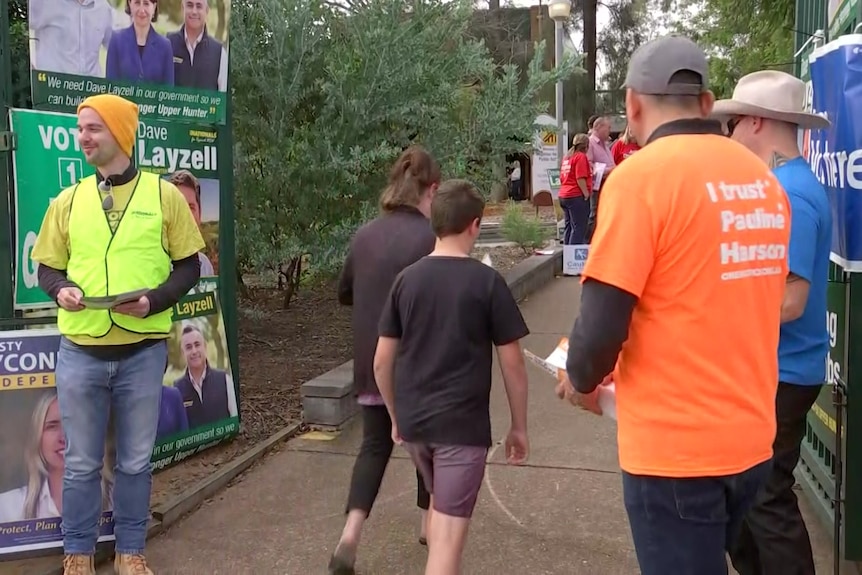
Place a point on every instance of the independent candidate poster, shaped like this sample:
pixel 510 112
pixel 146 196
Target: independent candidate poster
pixel 33 441
pixel 835 153
pixel 32 450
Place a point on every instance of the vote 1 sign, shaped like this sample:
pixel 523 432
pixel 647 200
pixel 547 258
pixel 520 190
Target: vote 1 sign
pixel 46 160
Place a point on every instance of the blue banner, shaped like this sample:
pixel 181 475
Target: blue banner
pixel 835 154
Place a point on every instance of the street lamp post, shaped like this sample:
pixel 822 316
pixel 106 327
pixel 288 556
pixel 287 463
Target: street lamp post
pixel 559 11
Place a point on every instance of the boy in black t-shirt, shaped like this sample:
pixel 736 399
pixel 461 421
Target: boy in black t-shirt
pixel 444 316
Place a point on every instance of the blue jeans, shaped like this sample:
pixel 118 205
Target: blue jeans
pixel 685 526
pixel 576 211
pixel 89 389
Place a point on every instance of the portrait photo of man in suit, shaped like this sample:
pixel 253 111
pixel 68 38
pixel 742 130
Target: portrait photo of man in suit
pixel 208 393
pixel 200 61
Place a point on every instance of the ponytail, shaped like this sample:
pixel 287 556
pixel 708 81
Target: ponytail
pixel 412 174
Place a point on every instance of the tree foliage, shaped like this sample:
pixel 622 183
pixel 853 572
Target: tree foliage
pixel 617 42
pixel 741 36
pixel 19 49
pixel 325 98
pixel 606 51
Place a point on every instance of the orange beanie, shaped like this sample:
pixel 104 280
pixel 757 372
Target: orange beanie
pixel 119 115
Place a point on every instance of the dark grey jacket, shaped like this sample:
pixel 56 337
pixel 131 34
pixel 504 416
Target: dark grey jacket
pixel 378 252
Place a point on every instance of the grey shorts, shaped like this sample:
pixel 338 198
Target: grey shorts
pixel 453 474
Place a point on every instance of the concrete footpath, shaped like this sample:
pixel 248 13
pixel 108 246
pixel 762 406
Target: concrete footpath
pixel 561 513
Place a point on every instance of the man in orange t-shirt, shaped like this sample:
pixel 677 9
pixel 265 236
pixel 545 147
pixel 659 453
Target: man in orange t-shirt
pixel 683 286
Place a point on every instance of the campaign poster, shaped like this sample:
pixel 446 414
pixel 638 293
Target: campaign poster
pixel 32 449
pixel 199 409
pixel 168 56
pixel 835 153
pixel 200 405
pixel 184 154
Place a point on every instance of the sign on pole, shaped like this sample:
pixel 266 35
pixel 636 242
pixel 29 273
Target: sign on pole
pixel 33 441
pixel 48 159
pixel 79 49
pixel 840 14
pixel 835 153
pixel 544 158
pixel 85 48
pixel 32 445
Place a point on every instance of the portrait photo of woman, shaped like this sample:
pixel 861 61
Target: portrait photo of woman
pixel 42 495
pixel 139 53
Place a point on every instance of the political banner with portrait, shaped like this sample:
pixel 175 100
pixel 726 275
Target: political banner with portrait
pixel 185 154
pixel 168 56
pixel 32 448
pixel 835 153
pixel 199 408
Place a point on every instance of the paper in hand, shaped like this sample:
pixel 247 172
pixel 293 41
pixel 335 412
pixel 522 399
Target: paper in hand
pixel 555 365
pixel 110 301
pixel 598 174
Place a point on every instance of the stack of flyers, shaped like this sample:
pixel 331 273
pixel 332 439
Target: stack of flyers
pixel 555 365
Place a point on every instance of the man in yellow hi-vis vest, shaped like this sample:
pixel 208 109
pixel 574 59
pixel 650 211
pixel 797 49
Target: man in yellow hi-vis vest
pixel 115 232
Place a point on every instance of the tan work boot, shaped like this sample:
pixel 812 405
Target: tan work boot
pixel 79 565
pixel 131 565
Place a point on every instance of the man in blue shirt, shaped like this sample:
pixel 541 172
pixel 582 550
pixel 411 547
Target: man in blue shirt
pixel 765 113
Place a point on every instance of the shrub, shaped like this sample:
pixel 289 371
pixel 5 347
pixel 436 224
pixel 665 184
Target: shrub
pixel 523 230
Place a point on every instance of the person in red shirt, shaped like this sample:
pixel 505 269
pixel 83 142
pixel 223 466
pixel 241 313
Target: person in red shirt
pixel 624 147
pixel 576 185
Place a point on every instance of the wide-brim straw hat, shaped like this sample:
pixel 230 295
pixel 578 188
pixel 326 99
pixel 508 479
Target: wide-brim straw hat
pixel 773 95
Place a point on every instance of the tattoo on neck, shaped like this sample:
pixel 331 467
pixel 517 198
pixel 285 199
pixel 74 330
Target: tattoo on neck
pixel 777 160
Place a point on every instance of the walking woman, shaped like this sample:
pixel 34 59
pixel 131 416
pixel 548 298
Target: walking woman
pixel 576 184
pixel 400 236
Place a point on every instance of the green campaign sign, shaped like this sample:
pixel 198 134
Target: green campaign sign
pixel 63 93
pixel 48 159
pixel 836 315
pixel 165 147
pixel 554 177
pixel 822 414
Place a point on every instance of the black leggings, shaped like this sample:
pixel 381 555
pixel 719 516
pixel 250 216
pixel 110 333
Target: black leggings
pixel 371 462
pixel 594 214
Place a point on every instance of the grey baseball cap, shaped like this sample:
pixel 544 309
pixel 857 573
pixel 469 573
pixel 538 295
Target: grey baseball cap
pixel 653 64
